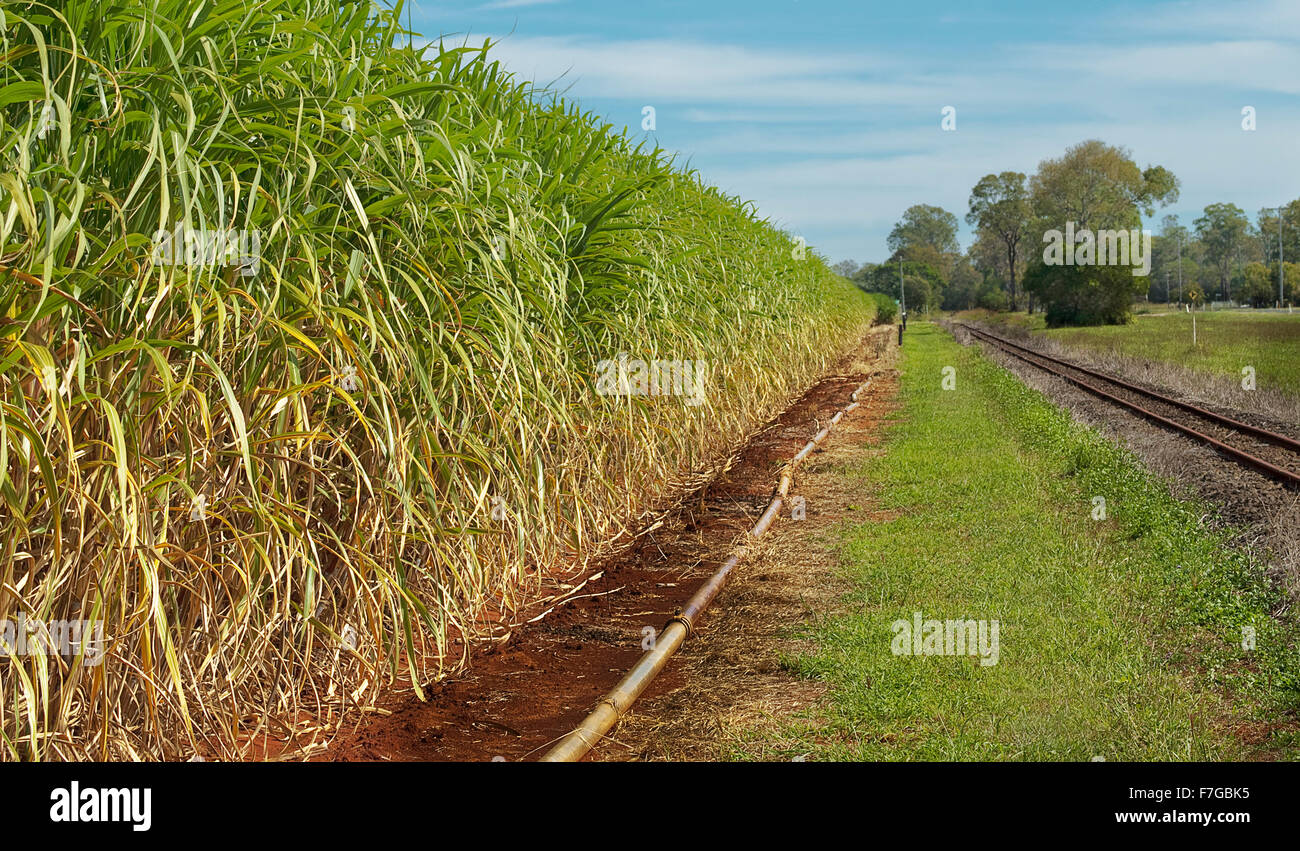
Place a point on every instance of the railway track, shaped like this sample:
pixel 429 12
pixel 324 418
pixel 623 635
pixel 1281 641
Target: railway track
pixel 1274 455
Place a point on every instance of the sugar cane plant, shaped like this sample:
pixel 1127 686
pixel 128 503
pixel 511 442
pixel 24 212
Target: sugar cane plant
pixel 299 321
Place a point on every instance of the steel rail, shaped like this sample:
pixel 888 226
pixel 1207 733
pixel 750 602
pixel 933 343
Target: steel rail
pixel 1237 425
pixel 576 744
pixel 1241 456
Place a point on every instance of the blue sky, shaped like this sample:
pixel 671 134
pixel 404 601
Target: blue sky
pixel 827 114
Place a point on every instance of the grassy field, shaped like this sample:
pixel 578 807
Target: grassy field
pixel 1226 341
pixel 1119 638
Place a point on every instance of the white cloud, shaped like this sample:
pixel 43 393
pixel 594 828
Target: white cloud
pixel 515 4
pixel 675 71
pixel 1272 19
pixel 753 115
pixel 845 205
pixel 835 145
pixel 756 85
pixel 1259 65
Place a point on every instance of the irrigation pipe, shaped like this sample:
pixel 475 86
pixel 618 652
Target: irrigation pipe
pixel 575 744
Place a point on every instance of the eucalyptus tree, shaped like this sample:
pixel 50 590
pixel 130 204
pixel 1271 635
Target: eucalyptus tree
pixel 1092 187
pixel 1223 231
pixel 1000 208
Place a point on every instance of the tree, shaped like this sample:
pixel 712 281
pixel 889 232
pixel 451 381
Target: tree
pixel 1290 239
pixel 992 298
pixel 999 208
pixel 923 283
pixel 1096 187
pixel 1172 245
pixel 1222 232
pixel 925 239
pixel 1256 286
pixel 923 225
pixel 921 293
pixel 1266 221
pixel 1084 295
pixel 963 290
pixel 845 268
pixel 987 255
pixel 864 275
pixel 1292 294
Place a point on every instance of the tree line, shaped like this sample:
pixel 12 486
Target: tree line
pixel 1093 188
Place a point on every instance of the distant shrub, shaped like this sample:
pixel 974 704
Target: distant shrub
pixel 886 308
pixel 993 299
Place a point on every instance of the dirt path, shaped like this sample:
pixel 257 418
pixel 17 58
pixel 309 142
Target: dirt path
pixel 521 695
pixel 730 692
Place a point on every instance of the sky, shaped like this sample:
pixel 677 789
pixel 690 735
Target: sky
pixel 828 115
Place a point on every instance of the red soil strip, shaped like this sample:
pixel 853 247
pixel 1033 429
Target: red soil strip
pixel 519 697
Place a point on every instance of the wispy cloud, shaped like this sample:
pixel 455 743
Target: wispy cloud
pixel 1271 19
pixel 834 141
pixel 515 4
pixel 675 71
pixel 1256 65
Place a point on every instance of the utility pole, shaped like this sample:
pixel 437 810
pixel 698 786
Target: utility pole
pixel 1281 264
pixel 1236 256
pixel 902 298
pixel 1180 268
pixel 1166 286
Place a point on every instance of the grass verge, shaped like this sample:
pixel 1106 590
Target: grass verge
pixel 1119 638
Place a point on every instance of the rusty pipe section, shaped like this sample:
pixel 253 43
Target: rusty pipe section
pixel 811 445
pixel 576 743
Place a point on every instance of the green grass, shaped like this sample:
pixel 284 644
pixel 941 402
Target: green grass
pixel 1119 638
pixel 1226 341
pixel 447 254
